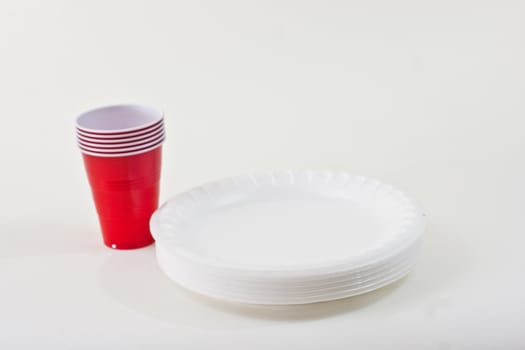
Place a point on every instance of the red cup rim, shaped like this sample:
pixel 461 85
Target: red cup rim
pixel 114 155
pixel 122 154
pixel 118 119
pixel 121 138
pixel 122 143
pixel 122 149
pixel 140 141
pixel 110 136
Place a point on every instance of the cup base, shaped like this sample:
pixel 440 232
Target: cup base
pixel 136 245
pixel 126 233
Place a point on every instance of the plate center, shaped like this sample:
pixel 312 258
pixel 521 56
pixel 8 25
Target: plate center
pixel 284 230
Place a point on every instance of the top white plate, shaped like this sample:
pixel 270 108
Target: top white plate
pixel 295 223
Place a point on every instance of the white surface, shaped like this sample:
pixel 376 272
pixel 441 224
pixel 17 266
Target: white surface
pixel 287 237
pixel 427 96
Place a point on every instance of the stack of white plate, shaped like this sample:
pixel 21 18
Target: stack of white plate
pixel 288 237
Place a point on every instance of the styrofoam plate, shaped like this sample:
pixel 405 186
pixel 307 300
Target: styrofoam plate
pixel 267 292
pixel 179 265
pixel 302 227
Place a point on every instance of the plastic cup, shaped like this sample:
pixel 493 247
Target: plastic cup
pixel 124 180
pixel 126 193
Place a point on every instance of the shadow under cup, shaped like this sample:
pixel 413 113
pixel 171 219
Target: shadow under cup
pixel 126 193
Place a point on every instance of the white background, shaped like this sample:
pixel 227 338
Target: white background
pixel 427 96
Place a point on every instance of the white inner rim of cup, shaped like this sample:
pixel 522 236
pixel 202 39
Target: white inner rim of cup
pixel 116 138
pixel 118 118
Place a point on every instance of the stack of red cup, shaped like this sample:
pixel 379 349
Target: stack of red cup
pixel 121 146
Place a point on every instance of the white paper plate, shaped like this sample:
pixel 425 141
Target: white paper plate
pixel 283 298
pixel 273 292
pixel 280 237
pixel 179 266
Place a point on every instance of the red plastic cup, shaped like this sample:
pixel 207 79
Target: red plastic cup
pixel 126 193
pixel 124 181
